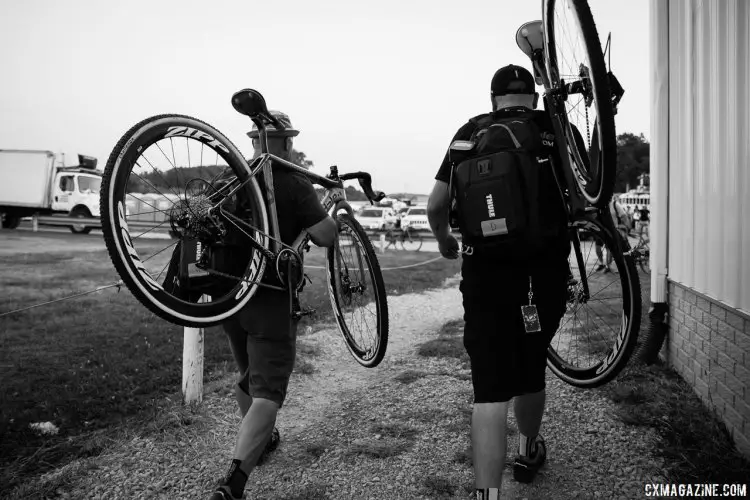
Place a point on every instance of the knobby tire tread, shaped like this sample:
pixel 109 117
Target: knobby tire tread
pixel 106 216
pixel 606 175
pixel 380 295
pixel 628 347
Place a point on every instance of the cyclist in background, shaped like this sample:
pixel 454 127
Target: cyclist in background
pixel 622 223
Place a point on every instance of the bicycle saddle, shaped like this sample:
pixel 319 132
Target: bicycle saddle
pixel 250 102
pixel 530 37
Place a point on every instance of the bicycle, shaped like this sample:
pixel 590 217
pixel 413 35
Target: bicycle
pixel 410 239
pixel 606 307
pixel 642 254
pixel 224 192
pixel 407 237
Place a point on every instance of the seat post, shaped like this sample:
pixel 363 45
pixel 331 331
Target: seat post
pixel 263 139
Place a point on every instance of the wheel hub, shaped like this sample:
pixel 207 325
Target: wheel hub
pixel 192 216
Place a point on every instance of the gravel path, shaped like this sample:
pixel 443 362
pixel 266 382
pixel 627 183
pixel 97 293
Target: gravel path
pixel 400 430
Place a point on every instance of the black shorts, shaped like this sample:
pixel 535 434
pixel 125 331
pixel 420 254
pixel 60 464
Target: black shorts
pixel 505 360
pixel 270 338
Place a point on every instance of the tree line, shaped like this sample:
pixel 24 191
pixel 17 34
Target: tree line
pixel 632 161
pixel 176 178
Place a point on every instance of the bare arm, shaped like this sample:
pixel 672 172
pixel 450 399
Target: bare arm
pixel 437 215
pixel 324 232
pixel 437 210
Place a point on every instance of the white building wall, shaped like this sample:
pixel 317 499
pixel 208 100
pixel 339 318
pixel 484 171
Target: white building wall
pixel 709 145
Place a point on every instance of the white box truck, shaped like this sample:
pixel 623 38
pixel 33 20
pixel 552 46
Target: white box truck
pixel 30 184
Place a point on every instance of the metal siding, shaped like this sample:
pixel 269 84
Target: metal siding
pixel 680 141
pixel 742 146
pixel 709 132
pixel 712 162
pixel 702 142
pixel 729 285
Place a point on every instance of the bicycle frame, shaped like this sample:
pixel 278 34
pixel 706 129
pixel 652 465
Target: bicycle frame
pixel 554 104
pixel 576 205
pixel 333 200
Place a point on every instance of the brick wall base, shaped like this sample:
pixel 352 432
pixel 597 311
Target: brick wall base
pixel 708 344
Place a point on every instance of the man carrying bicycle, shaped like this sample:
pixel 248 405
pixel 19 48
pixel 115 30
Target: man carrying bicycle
pixel 508 358
pixel 262 336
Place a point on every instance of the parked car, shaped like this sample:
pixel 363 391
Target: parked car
pixel 376 217
pixel 415 218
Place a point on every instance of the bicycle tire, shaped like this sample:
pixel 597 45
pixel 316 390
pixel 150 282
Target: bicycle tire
pixel 119 242
pixel 415 242
pixel 644 264
pixel 622 348
pixel 371 357
pixel 598 186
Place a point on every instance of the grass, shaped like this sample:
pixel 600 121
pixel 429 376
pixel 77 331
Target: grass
pixel 91 363
pixel 696 445
pixel 438 485
pixel 448 344
pixel 396 281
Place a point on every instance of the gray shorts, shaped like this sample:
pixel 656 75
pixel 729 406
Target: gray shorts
pixel 269 335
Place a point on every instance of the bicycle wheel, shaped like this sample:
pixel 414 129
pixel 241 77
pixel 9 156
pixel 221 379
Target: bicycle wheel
pixel 355 284
pixel 577 73
pixel 643 261
pixel 412 242
pixel 143 192
pixel 599 331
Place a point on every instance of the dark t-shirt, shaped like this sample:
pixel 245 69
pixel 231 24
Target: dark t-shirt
pixel 297 208
pixel 297 205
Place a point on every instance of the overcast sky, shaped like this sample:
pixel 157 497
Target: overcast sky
pixel 379 86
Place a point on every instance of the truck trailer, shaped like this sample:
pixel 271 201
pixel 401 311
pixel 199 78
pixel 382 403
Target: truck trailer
pixel 31 184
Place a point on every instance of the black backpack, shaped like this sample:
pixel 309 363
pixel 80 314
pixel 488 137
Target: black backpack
pixel 505 198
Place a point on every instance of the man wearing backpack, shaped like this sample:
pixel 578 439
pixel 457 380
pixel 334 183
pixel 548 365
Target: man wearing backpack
pixel 503 197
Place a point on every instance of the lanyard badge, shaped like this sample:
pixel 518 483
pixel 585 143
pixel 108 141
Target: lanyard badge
pixel 530 315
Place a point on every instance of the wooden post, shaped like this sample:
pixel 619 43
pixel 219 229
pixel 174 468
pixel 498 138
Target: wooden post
pixel 382 242
pixel 192 363
pixel 35 223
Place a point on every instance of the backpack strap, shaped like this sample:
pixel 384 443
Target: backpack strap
pixel 510 132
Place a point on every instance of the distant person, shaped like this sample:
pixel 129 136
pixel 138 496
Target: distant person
pixel 643 220
pixel 622 224
pixel 507 345
pixel 263 335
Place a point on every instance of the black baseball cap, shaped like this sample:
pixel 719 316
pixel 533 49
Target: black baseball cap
pixel 512 79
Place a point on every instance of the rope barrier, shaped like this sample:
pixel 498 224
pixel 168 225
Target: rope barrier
pixel 390 268
pixel 120 283
pixel 98 289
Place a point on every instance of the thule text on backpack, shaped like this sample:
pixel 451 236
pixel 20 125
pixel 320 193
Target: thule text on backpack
pixel 490 205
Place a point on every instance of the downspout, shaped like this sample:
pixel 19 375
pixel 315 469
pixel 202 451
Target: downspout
pixel 659 162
